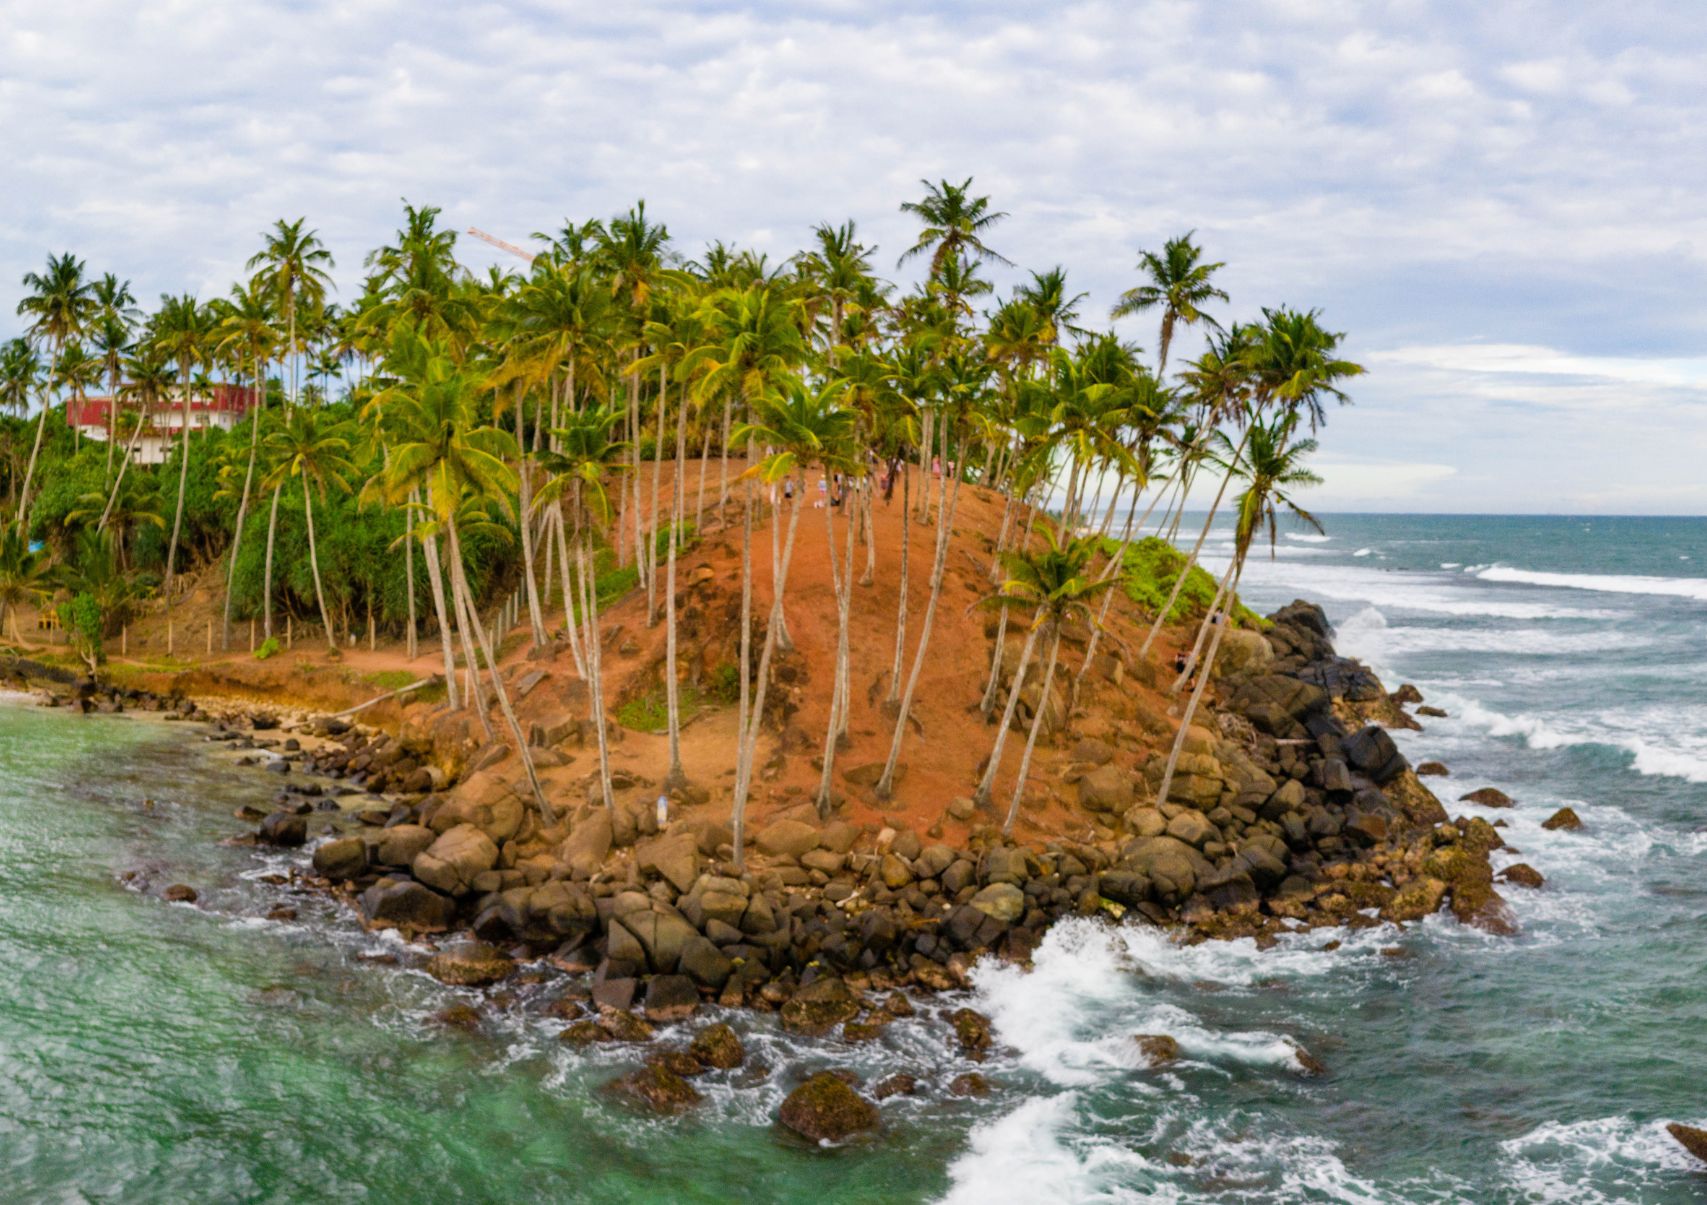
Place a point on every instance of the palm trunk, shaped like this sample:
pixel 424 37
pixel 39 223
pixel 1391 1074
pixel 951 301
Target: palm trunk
pixel 35 454
pixel 1231 580
pixel 1036 727
pixel 183 488
pixel 894 695
pixel 237 532
pixel 435 579
pixel 570 595
pixel 314 567
pixel 267 569
pixel 485 638
pixel 1191 560
pixel 945 524
pixel 412 639
pixel 465 624
pixel 842 583
pixel 988 782
pixel 738 815
pixel 524 488
pixel 675 777
pixel 595 672
pixel 652 545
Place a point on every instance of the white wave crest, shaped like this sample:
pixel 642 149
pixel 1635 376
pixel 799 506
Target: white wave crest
pixel 1363 552
pixel 1606 583
pixel 1602 1159
pixel 1026 1155
pixel 1307 537
pixel 1657 743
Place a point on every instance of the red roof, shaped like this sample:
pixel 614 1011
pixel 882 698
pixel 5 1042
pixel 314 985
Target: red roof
pixel 224 399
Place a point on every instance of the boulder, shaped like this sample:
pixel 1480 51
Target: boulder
pixel 819 1007
pixel 826 1109
pixel 1487 797
pixel 972 1033
pixel 1107 788
pixel 283 828
pixel 671 998
pixel 1146 821
pixel 1001 901
pixel 1171 866
pixel 470 964
pixel 660 936
pixel 1093 751
pixel 969 1083
pixel 718 1046
pixel 487 805
pixel 451 862
pixel 1372 751
pixel 1420 897
pixel 1565 819
pixel 786 838
pixel 588 845
pixel 1192 827
pixel 1158 1049
pixel 1242 651
pixel 401 844
pixel 1690 1139
pixel 1438 713
pixel 704 963
pixel 180 893
pixel 1521 874
pixel 1432 769
pixel 656 1088
pixel 406 904
pixel 673 858
pixel 899 1084
pixel 342 858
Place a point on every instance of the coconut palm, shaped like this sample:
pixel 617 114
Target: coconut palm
pixel 308 448
pixel 112 330
pixel 247 334
pixel 1180 283
pixel 293 269
pixel 183 330
pixel 955 223
pixel 60 304
pixel 1273 468
pixel 1054 584
pixel 23 575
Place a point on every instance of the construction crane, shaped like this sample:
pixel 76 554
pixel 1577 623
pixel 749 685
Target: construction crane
pixel 500 243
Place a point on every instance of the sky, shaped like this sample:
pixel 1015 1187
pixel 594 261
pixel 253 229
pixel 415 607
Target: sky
pixel 1503 206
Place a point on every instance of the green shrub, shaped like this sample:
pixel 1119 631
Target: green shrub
pixel 1152 567
pixel 269 647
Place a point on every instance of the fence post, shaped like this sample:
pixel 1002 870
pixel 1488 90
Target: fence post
pixel 251 633
pixel 124 640
pixel 288 634
pixel 210 638
pixel 168 637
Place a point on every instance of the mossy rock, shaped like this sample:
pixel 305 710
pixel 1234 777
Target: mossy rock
pixel 718 1046
pixel 656 1088
pixel 826 1109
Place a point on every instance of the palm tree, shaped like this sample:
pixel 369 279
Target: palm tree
pixel 1274 466
pixel 576 472
pixel 59 305
pixel 182 329
pixel 74 373
pixel 20 375
pixel 955 223
pixel 1054 584
pixel 115 322
pixel 23 575
pixel 293 269
pixel 246 333
pixel 315 451
pixel 1179 282
pixel 147 380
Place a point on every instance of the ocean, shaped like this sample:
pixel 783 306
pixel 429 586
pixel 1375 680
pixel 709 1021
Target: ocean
pixel 173 1052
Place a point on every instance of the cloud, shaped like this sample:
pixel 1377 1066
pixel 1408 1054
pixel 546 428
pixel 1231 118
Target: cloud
pixel 1444 176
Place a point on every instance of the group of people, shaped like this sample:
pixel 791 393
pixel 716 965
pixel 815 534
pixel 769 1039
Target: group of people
pixel 833 487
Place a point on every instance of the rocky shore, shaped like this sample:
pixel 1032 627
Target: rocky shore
pixel 1291 809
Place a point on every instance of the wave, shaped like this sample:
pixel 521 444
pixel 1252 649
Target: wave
pixel 1306 537
pixel 1402 591
pixel 1367 634
pixel 1363 552
pixel 1650 736
pixel 1606 583
pixel 1027 1155
pixel 1601 1159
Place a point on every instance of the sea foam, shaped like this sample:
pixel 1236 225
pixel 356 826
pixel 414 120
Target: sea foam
pixel 1606 583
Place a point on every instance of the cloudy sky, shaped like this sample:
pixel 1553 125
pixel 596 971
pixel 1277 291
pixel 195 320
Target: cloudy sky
pixel 1503 205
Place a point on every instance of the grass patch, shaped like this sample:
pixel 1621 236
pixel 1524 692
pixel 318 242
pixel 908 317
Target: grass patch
pixel 1152 567
pixel 650 712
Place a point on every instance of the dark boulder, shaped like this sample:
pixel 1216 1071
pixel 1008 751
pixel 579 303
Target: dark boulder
pixel 718 1046
pixel 283 828
pixel 1565 819
pixel 1487 797
pixel 1372 751
pixel 470 964
pixel 406 904
pixel 819 1007
pixel 342 858
pixel 656 1088
pixel 826 1109
pixel 1690 1138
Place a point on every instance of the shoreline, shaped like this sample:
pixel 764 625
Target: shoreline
pixel 833 926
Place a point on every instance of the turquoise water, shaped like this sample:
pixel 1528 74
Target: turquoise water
pixel 169 1052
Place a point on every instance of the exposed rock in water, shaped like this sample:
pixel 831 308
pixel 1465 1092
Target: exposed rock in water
pixel 718 1046
pixel 1522 874
pixel 470 964
pixel 283 828
pixel 972 1032
pixel 969 1083
pixel 180 893
pixel 1432 712
pixel 1432 769
pixel 819 1007
pixel 1308 1062
pixel 1487 797
pixel 899 1084
pixel 825 1109
pixel 1690 1138
pixel 342 858
pixel 1565 819
pixel 671 998
pixel 655 1088
pixel 406 904
pixel 1158 1049
pixel 458 1016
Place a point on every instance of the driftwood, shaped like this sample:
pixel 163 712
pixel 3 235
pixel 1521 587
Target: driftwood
pixel 390 694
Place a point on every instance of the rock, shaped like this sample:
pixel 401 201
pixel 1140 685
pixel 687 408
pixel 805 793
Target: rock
pixel 1158 1049
pixel 342 858
pixel 678 1062
pixel 1437 713
pixel 656 1088
pixel 969 1083
pixel 470 964
pixel 583 1033
pixel 1690 1138
pixel 1144 821
pixel 1306 1061
pixel 899 1084
pixel 283 828
pixel 1001 901
pixel 1420 897
pixel 1432 769
pixel 1487 797
pixel 1093 752
pixel 673 858
pixel 451 862
pixel 587 847
pixel 1406 695
pixel 661 936
pixel 1372 751
pixel 787 838
pixel 704 963
pixel 819 1007
pixel 1522 874
pixel 972 1032
pixel 489 806
pixel 615 994
pixel 671 998
pixel 282 912
pixel 825 1109
pixel 458 1016
pixel 962 808
pixel 1106 789
pixel 401 844
pixel 622 1026
pixel 180 893
pixel 1565 819
pixel 894 872
pixel 1171 866
pixel 718 1046
pixel 1192 827
pixel 406 904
